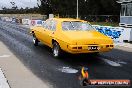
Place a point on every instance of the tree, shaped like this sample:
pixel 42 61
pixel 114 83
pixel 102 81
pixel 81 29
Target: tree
pixel 45 7
pixel 86 7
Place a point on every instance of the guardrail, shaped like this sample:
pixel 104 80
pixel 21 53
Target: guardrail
pixel 118 34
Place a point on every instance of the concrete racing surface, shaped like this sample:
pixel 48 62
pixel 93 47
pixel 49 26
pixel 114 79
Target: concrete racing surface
pixel 64 72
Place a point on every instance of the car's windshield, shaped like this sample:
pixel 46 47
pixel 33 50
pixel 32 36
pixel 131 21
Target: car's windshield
pixel 76 25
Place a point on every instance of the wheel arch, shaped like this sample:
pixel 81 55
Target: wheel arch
pixel 62 44
pixel 55 40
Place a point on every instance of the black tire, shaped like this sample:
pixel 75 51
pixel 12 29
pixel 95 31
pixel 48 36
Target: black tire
pixel 35 41
pixel 96 54
pixel 56 50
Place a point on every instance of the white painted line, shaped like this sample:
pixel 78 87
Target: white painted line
pixel 3 80
pixel 121 62
pixel 68 70
pixel 112 63
pixel 4 56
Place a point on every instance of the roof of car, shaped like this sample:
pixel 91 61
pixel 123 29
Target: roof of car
pixel 67 19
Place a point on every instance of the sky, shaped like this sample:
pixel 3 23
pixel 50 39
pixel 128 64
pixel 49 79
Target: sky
pixel 19 3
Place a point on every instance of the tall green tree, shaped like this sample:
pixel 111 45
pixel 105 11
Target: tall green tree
pixel 86 7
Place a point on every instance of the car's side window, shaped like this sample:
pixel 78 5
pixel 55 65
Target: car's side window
pixel 53 23
pixel 50 25
pixel 43 24
pixel 46 25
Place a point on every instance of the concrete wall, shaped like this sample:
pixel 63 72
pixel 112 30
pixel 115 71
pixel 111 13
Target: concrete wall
pixel 25 16
pixel 118 34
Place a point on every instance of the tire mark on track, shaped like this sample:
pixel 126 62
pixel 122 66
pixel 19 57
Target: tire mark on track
pixel 30 57
pixel 39 67
pixel 16 27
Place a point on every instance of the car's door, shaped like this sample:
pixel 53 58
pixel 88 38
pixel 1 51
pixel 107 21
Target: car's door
pixel 51 31
pixel 38 33
pixel 50 28
pixel 43 32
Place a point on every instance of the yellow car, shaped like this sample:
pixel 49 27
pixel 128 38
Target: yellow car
pixel 72 36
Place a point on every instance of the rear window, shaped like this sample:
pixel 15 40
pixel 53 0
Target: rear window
pixel 76 25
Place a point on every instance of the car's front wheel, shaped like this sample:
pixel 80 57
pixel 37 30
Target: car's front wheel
pixel 56 50
pixel 35 41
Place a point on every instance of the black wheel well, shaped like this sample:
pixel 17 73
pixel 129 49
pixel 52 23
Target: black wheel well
pixel 32 31
pixel 54 41
pixel 33 34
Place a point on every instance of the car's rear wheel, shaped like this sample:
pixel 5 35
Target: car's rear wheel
pixel 57 52
pixel 35 41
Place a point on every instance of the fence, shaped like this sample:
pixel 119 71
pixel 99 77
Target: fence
pixel 96 18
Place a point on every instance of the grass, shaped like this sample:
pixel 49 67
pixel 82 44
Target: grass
pixel 113 24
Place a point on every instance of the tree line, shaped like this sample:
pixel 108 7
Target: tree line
pixel 16 10
pixel 69 8
pixel 86 7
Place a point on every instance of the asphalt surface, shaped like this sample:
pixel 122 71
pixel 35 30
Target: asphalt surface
pixel 116 64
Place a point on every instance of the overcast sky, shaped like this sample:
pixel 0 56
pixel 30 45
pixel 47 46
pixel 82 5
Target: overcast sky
pixel 19 3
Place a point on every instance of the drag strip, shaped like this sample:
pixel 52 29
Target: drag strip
pixel 64 72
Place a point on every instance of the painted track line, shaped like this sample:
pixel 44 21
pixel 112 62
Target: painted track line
pixel 3 80
pixel 4 56
pixel 112 63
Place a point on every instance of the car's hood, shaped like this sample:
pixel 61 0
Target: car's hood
pixel 87 37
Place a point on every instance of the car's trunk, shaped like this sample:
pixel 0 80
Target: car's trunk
pixel 88 37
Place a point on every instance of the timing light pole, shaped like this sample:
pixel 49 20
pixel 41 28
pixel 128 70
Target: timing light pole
pixel 77 9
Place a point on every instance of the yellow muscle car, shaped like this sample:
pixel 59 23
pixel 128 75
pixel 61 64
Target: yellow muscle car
pixel 72 36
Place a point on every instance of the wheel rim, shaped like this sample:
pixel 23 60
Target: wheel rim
pixel 34 40
pixel 56 50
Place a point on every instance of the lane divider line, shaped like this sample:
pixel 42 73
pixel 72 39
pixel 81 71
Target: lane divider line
pixel 3 80
pixel 68 70
pixel 112 63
